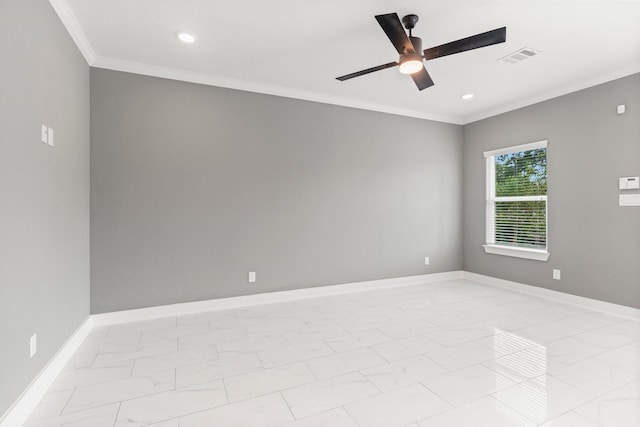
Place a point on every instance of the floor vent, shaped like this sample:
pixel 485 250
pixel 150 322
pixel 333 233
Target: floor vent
pixel 520 55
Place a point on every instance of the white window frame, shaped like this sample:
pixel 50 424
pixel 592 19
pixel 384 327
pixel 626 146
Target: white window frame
pixel 490 246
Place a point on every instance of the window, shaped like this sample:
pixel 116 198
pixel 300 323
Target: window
pixel 516 218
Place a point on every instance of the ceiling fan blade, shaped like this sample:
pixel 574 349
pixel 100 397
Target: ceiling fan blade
pixel 422 79
pixel 367 71
pixel 393 28
pixel 489 38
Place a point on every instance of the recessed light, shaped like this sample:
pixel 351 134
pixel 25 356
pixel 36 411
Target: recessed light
pixel 467 96
pixel 186 37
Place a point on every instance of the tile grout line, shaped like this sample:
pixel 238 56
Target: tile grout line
pixel 77 412
pixel 118 401
pixel 226 392
pixel 66 403
pixel 442 398
pixel 205 410
pixel 115 420
pixel 637 377
pixel 288 407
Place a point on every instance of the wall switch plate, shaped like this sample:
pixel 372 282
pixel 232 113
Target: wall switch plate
pixel 50 137
pixel 32 346
pixel 629 183
pixel 556 274
pixel 43 134
pixel 620 109
pixel 426 260
pixel 252 277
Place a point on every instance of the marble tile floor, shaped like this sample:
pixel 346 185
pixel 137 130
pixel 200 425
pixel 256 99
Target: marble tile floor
pixel 452 353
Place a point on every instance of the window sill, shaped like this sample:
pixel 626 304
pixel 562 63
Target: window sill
pixel 535 254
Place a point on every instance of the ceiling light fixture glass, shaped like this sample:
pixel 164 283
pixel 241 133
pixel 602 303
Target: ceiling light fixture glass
pixel 467 96
pixel 186 37
pixel 410 63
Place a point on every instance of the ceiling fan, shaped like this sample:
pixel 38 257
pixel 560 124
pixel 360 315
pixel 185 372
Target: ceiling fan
pixel 410 48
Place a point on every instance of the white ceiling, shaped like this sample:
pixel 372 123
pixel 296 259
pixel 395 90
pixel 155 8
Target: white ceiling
pixel 296 48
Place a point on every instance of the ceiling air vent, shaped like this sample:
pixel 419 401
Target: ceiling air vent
pixel 520 55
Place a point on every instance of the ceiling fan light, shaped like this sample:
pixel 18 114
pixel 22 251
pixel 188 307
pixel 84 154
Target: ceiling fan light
pixel 411 64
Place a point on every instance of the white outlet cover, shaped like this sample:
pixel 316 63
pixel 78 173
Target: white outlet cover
pixel 629 200
pixel 556 274
pixel 252 276
pixel 426 260
pixel 43 136
pixel 33 346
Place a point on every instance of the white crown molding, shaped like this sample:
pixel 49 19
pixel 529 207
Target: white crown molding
pixel 76 32
pixel 22 408
pixel 592 304
pixel 564 90
pixel 149 313
pixel 212 80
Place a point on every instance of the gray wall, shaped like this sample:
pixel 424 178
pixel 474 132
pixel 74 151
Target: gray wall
pixel 194 186
pixel 44 191
pixel 593 241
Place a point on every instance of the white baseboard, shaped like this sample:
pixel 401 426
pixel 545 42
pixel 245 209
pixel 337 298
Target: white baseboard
pixel 593 304
pixel 20 410
pixel 136 315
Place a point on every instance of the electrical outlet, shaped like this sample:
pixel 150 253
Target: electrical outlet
pixel 32 346
pixel 43 135
pixel 556 274
pixel 252 277
pixel 426 260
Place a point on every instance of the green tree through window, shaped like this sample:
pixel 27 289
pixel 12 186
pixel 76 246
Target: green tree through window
pixel 522 174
